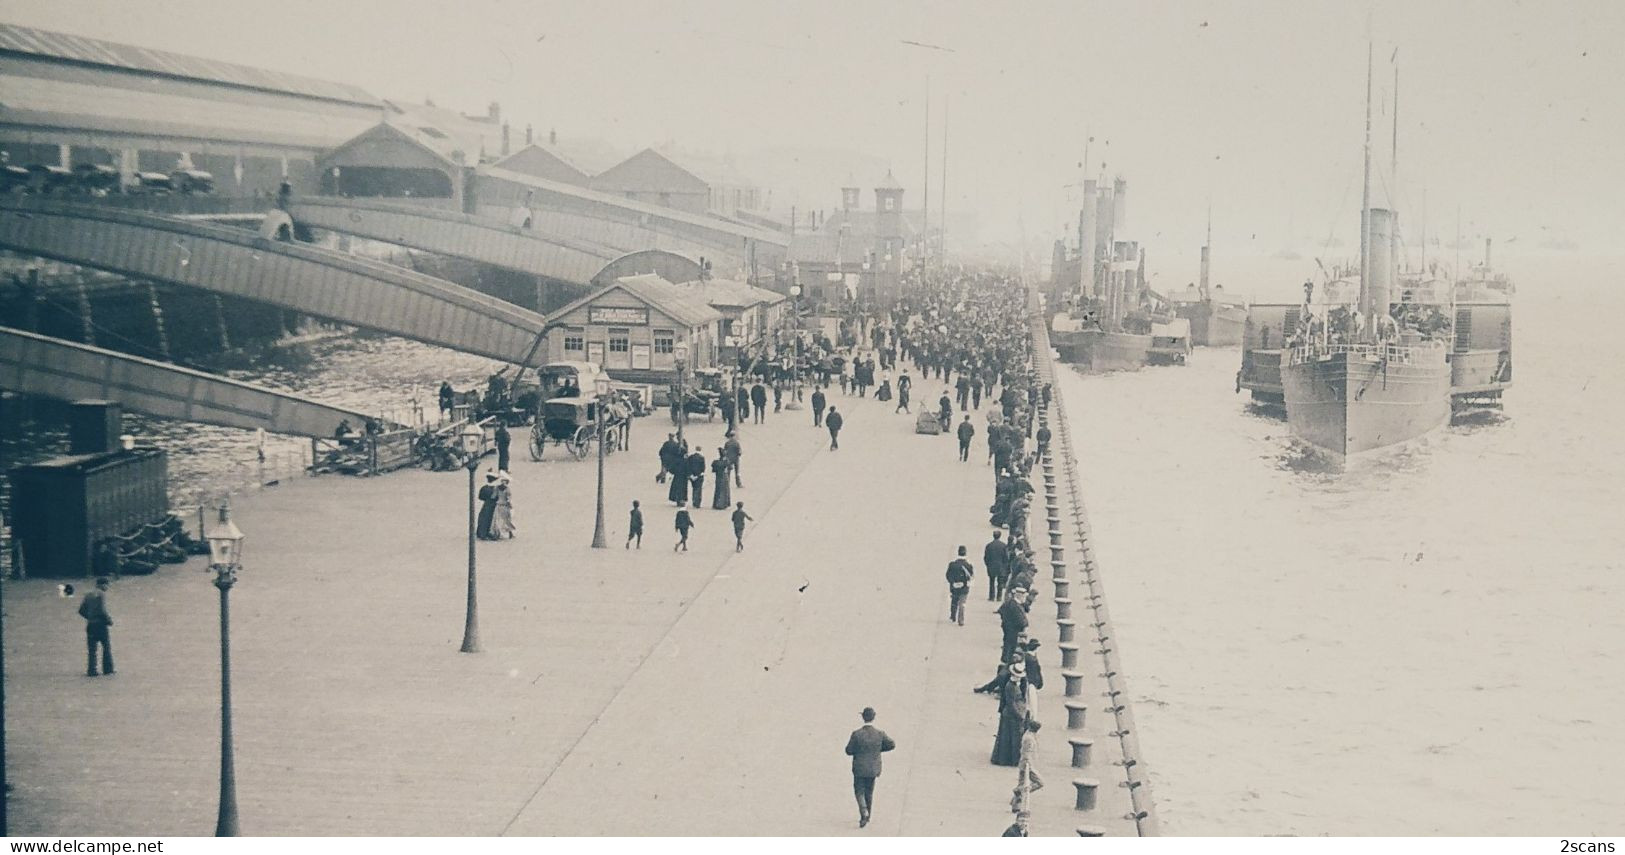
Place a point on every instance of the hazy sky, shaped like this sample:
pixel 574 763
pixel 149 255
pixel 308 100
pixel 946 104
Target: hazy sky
pixel 1513 111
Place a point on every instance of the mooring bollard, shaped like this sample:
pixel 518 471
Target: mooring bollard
pixel 1063 589
pixel 1086 792
pixel 1057 566
pixel 1074 683
pixel 1091 831
pixel 1063 607
pixel 1075 712
pixel 1082 751
pixel 1069 655
pixel 1067 627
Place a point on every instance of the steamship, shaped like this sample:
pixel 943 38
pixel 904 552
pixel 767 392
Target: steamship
pixel 1113 322
pixel 1354 382
pixel 1216 319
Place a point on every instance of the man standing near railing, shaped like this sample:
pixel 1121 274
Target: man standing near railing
pixel 502 439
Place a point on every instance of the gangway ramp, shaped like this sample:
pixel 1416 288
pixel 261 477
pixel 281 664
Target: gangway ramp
pixel 33 364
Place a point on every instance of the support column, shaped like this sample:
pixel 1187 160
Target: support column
pixel 158 320
pixel 220 323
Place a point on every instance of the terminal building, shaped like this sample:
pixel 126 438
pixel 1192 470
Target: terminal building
pixel 854 254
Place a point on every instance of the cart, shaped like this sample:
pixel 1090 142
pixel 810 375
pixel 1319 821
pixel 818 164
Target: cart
pixel 572 423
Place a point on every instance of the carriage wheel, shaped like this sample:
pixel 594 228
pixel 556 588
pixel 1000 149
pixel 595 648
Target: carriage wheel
pixel 538 442
pixel 581 443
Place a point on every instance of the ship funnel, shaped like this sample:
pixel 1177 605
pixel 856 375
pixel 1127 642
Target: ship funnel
pixel 1380 278
pixel 1203 286
pixel 1120 206
pixel 1486 253
pixel 1086 237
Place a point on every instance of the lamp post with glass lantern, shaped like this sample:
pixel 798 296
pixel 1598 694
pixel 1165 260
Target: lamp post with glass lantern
pixel 679 354
pixel 225 558
pixel 472 440
pixel 602 388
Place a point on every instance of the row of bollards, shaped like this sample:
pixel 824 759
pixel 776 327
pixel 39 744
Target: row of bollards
pixel 1094 618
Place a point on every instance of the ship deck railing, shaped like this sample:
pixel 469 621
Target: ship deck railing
pixel 1397 354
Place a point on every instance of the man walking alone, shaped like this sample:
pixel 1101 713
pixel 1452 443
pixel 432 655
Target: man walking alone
pixel 94 610
pixel 865 746
pixel 966 431
pixel 833 422
pixel 959 575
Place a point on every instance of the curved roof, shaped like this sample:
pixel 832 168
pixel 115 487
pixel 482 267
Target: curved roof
pixel 78 49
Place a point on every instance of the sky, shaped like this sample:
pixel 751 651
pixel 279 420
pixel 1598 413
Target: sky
pixel 1509 111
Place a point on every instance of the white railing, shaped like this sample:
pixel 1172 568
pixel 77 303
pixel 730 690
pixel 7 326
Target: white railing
pixel 1396 354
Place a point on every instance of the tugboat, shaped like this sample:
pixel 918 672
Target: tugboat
pixel 1379 376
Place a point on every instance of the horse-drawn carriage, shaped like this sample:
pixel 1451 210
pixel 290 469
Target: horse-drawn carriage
pixel 573 423
pixel 703 396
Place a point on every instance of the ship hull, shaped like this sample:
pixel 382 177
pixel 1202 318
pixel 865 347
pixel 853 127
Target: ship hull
pixel 1213 324
pixel 1349 403
pixel 1098 351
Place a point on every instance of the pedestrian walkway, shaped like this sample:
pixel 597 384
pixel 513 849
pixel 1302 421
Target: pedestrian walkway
pixel 619 692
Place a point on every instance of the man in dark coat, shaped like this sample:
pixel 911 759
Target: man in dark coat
pixel 448 400
pixel 963 389
pixel 1043 440
pixel 696 476
pixel 503 439
pixel 488 507
pixel 93 608
pixel 904 384
pixel 1012 620
pixel 959 575
pixel 996 558
pixel 865 746
pixel 671 458
pixel 758 401
pixel 818 403
pixel 966 431
pixel 833 422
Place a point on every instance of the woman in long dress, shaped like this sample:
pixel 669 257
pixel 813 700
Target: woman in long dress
pixel 722 491
pixel 1012 718
pixel 502 523
pixel 677 493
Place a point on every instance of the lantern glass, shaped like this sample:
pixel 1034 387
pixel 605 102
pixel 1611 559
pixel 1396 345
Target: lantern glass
pixel 225 541
pixel 680 352
pixel 471 438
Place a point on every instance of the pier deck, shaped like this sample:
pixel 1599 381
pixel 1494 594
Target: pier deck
pixel 629 692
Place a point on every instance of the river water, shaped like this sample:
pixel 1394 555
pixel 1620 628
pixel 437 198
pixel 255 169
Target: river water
pixel 1430 643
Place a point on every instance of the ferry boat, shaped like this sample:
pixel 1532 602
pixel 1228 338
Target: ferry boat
pixel 1361 382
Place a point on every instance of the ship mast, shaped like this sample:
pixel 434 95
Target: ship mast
pixel 1393 176
pixel 1207 246
pixel 1365 199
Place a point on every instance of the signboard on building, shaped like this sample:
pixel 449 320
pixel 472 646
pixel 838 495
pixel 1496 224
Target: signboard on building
pixel 595 352
pixel 618 316
pixel 640 356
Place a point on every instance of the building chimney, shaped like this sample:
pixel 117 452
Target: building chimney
pixel 553 137
pixel 494 112
pixel 505 137
pixel 94 427
pixel 530 135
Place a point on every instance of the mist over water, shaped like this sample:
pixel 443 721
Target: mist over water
pixel 1427 644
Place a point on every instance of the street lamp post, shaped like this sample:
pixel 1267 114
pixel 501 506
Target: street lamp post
pixel 602 388
pixel 679 354
pixel 472 439
pixel 225 557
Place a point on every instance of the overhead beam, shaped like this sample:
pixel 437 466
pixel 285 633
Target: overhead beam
pixel 455 234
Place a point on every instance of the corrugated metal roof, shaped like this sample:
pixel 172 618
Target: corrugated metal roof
pixel 681 304
pixel 733 293
pixel 85 106
pixel 62 46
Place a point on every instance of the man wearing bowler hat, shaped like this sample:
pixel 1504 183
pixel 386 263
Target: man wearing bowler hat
pixel 865 746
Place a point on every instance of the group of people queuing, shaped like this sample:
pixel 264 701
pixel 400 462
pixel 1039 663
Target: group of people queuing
pixel 973 335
